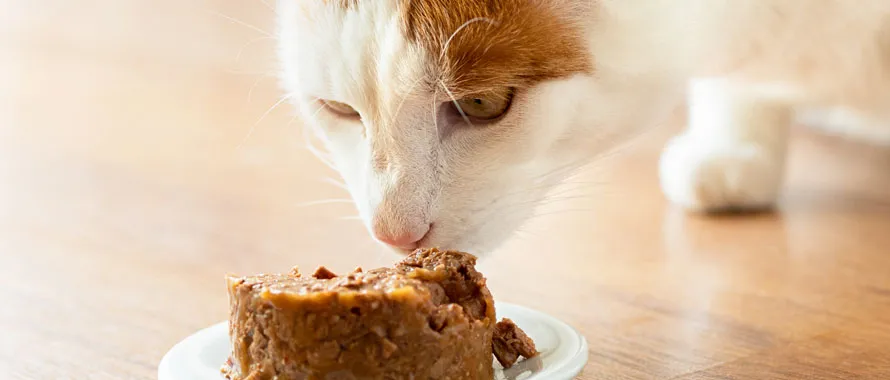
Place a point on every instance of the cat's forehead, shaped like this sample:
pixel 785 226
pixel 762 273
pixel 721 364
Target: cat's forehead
pixel 478 44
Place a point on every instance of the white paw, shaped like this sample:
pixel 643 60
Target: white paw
pixel 735 176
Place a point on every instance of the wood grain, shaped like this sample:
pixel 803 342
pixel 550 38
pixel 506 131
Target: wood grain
pixel 125 197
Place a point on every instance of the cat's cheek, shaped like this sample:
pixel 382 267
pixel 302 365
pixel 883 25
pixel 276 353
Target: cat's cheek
pixel 481 218
pixel 343 146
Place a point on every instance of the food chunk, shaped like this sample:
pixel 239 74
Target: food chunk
pixel 510 342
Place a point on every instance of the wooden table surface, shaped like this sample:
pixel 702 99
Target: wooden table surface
pixel 128 189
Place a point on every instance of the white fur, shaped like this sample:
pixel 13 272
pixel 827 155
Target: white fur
pixel 762 60
pixel 732 155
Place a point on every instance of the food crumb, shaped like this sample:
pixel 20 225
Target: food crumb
pixel 323 273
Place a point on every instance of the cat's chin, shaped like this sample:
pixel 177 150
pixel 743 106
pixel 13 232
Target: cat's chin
pixel 482 241
pixel 474 249
pixel 405 252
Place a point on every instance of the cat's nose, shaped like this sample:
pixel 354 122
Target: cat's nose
pixel 401 237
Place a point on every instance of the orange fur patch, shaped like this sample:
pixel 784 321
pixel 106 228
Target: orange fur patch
pixel 492 44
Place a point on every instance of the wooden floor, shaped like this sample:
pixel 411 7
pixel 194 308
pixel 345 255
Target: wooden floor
pixel 129 187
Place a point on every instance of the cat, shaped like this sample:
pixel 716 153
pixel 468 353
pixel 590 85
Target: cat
pixel 449 120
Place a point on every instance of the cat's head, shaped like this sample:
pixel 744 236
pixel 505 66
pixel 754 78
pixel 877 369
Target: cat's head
pixel 450 119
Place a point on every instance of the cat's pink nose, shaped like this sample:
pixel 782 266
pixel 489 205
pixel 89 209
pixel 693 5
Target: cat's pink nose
pixel 405 238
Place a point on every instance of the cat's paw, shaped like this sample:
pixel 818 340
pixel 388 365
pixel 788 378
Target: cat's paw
pixel 737 176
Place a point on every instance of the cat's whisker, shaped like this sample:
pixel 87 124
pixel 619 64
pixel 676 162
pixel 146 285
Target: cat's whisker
pixel 532 207
pixel 324 202
pixel 548 180
pixel 535 212
pixel 581 181
pixel 571 199
pixel 404 97
pixel 270 6
pixel 251 73
pixel 456 104
pixel 253 87
pixel 263 117
pixel 251 42
pixel 560 212
pixel 320 156
pixel 291 121
pixel 562 175
pixel 568 195
pixel 524 190
pixel 335 183
pixel 317 111
pixel 566 188
pixel 350 217
pixel 572 189
pixel 561 170
pixel 317 152
pixel 461 27
pixel 244 24
pixel 549 200
pixel 312 116
pixel 556 177
pixel 523 233
pixel 313 149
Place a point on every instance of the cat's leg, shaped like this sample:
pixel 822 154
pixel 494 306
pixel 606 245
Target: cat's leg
pixel 732 154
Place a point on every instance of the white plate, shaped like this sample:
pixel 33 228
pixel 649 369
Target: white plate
pixel 563 350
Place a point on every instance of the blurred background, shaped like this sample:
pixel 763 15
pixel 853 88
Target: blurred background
pixel 142 158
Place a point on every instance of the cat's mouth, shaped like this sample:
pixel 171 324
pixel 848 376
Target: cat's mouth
pixel 423 243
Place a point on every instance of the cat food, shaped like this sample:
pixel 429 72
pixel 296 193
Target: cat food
pixel 429 317
pixel 510 342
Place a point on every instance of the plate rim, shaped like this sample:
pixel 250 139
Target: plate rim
pixel 570 366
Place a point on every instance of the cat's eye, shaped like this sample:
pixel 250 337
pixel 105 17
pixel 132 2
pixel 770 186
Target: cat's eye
pixel 486 106
pixel 339 108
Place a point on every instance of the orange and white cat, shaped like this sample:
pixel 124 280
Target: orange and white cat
pixel 450 119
